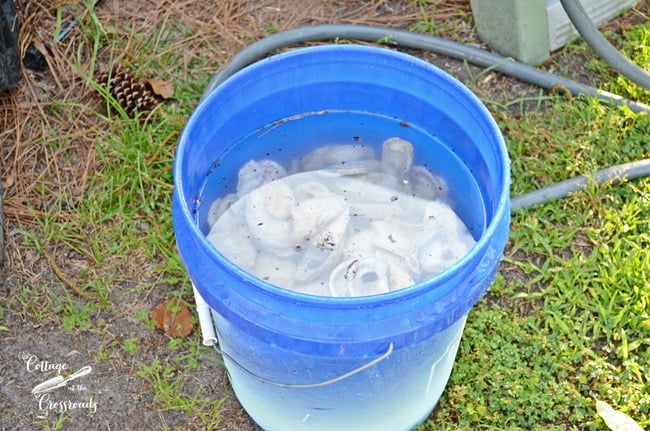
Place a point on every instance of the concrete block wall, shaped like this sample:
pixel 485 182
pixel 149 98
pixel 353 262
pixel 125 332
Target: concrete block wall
pixel 529 30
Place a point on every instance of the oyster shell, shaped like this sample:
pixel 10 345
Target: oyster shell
pixel 359 277
pixel 396 157
pixel 443 248
pixel 426 185
pixel 231 237
pixel 399 276
pixel 335 156
pixel 267 213
pixel 401 239
pixel 323 250
pixel 219 207
pixel 256 173
pixel 275 270
pixel 313 215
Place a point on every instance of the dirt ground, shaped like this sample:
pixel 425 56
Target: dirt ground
pixel 34 347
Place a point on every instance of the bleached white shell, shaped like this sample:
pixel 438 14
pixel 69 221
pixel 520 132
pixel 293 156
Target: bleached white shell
pixel 439 214
pixel 219 207
pixel 255 173
pixel 443 248
pixel 360 244
pixel 350 226
pixel 315 207
pixel 316 261
pixel 399 276
pixel 309 189
pixel 334 155
pixel 323 250
pixel 312 215
pixel 425 185
pixel 267 214
pixel 275 270
pixel 356 167
pixel 396 157
pixel 231 237
pixel 359 277
pixel 401 239
pixel 447 238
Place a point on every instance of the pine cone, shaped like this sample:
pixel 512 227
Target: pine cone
pixel 131 93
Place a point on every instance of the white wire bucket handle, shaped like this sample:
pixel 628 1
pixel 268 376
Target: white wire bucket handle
pixel 210 339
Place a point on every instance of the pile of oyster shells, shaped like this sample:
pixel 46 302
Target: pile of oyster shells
pixel 340 222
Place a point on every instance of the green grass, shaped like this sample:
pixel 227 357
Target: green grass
pixel 56 425
pixel 585 328
pixel 573 323
pixel 119 225
pixel 634 44
pixel 430 24
pixel 169 382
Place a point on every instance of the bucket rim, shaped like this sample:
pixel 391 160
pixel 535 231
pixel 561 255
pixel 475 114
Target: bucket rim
pixel 482 245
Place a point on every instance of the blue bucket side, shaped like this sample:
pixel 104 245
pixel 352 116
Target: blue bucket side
pixel 407 384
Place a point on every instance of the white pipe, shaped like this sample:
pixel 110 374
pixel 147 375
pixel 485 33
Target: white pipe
pixel 205 319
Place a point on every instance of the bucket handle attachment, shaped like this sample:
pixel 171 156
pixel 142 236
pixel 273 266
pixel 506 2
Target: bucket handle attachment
pixel 210 339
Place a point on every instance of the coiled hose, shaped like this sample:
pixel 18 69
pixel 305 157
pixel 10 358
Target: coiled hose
pixel 480 57
pixel 601 46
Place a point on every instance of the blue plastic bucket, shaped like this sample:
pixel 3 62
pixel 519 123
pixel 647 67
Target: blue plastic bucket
pixel 302 362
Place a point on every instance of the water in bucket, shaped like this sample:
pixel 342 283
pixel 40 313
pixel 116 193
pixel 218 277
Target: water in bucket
pixel 341 221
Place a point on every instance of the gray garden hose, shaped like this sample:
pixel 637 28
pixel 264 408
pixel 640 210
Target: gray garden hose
pixel 458 51
pixel 601 46
pixel 615 174
pixel 410 39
